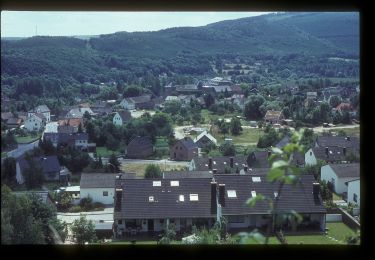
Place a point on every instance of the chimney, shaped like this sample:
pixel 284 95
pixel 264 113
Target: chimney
pixel 213 198
pixel 214 171
pixel 316 188
pixel 118 199
pixel 245 168
pixel 231 162
pixel 222 195
pixel 344 150
pixel 210 163
pixel 348 138
pixel 326 150
pixel 269 153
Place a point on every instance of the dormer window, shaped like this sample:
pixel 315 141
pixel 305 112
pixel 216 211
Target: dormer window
pixel 156 183
pixel 194 197
pixel 253 194
pixel 256 179
pixel 175 183
pixel 232 194
pixel 181 198
pixel 151 199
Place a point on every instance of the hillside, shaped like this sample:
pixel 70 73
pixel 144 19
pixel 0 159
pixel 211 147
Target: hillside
pixel 185 49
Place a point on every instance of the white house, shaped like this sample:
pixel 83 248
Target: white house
pixel 135 102
pixel 121 117
pixel 354 194
pixel 332 154
pixel 99 186
pixel 79 112
pixel 205 139
pixel 42 109
pixel 339 174
pixel 35 122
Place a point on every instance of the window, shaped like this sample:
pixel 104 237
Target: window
pixel 175 183
pixel 151 199
pixel 354 197
pixel 255 179
pixel 181 198
pixel 156 183
pixel 105 193
pixel 253 193
pixel 232 194
pixel 310 153
pixel 193 197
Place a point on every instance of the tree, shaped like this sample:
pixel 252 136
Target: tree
pixel 252 107
pixel 235 126
pixel 47 147
pixel 83 231
pixel 208 100
pixel 114 163
pixel 334 101
pixel 153 171
pixel 64 200
pixel 80 130
pixel 268 139
pixel 8 171
pixel 169 235
pixel 33 174
pixel 227 149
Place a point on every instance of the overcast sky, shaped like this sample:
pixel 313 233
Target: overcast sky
pixel 26 24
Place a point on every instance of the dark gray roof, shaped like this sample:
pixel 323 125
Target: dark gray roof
pixel 346 169
pixel 97 180
pixel 219 163
pixel 298 158
pixel 68 138
pixel 298 197
pixel 125 115
pixel 283 142
pixel 335 153
pixel 258 159
pixel 341 141
pixel 187 174
pixel 139 99
pixel 48 163
pixel 140 142
pixel 188 143
pixel 135 202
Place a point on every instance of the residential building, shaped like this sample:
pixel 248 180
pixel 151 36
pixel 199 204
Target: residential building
pixel 258 159
pixel 50 166
pixel 339 174
pixel 184 150
pixel 121 117
pixel 42 109
pixel 273 117
pixel 70 125
pixel 99 186
pixel 140 102
pixel 339 141
pixel 331 154
pixel 79 112
pixel 205 139
pixel 149 205
pixel 78 140
pixel 14 122
pixel 35 122
pixel 139 147
pixel 219 164
pixel 354 194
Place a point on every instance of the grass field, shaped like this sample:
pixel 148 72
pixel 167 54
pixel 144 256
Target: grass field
pixel 208 116
pixel 139 169
pixel 348 131
pixel 104 152
pixel 26 139
pixel 249 136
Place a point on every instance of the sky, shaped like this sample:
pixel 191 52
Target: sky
pixel 27 23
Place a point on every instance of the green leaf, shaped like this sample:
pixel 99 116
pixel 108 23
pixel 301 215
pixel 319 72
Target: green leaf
pixel 274 174
pixel 279 164
pixel 251 202
pixel 272 158
pixel 291 179
pixel 291 148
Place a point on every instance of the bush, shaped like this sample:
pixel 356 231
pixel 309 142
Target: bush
pixel 75 209
pixel 86 203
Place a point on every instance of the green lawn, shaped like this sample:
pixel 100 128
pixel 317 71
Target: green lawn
pixel 337 230
pixel 249 136
pixel 104 152
pixel 26 139
pixel 208 116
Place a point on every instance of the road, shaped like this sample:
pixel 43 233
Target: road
pixel 321 129
pixel 22 148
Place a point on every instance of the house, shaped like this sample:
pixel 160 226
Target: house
pixel 239 100
pixel 354 194
pixel 78 140
pixel 205 139
pixel 70 125
pixel 219 164
pixel 188 89
pixel 339 141
pixel 99 186
pixel 343 107
pixel 312 95
pixel 121 117
pixel 50 166
pixel 101 108
pixel 273 117
pixel 149 205
pixel 331 154
pixel 217 81
pixel 185 99
pixel 14 122
pixel 79 112
pixel 171 98
pixel 42 109
pixel 258 159
pixel 338 174
pixel 140 102
pixel 139 147
pixel 35 122
pixel 184 150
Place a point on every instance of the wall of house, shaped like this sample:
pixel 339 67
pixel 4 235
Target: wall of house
pixel 32 124
pixel 354 188
pixel 97 194
pixel 327 174
pixel 191 165
pixel 117 120
pixel 126 105
pixel 310 158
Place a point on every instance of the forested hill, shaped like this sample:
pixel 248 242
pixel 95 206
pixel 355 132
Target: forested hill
pixel 184 49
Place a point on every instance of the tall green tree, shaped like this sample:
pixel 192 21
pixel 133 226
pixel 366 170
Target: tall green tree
pixel 235 126
pixel 153 171
pixel 114 164
pixel 83 231
pixel 252 107
pixel 33 174
pixel 8 171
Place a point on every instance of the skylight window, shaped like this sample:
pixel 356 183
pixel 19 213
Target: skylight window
pixel 193 197
pixel 156 183
pixel 151 199
pixel 175 183
pixel 214 162
pixel 255 179
pixel 232 194
pixel 181 198
pixel 275 194
pixel 253 194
